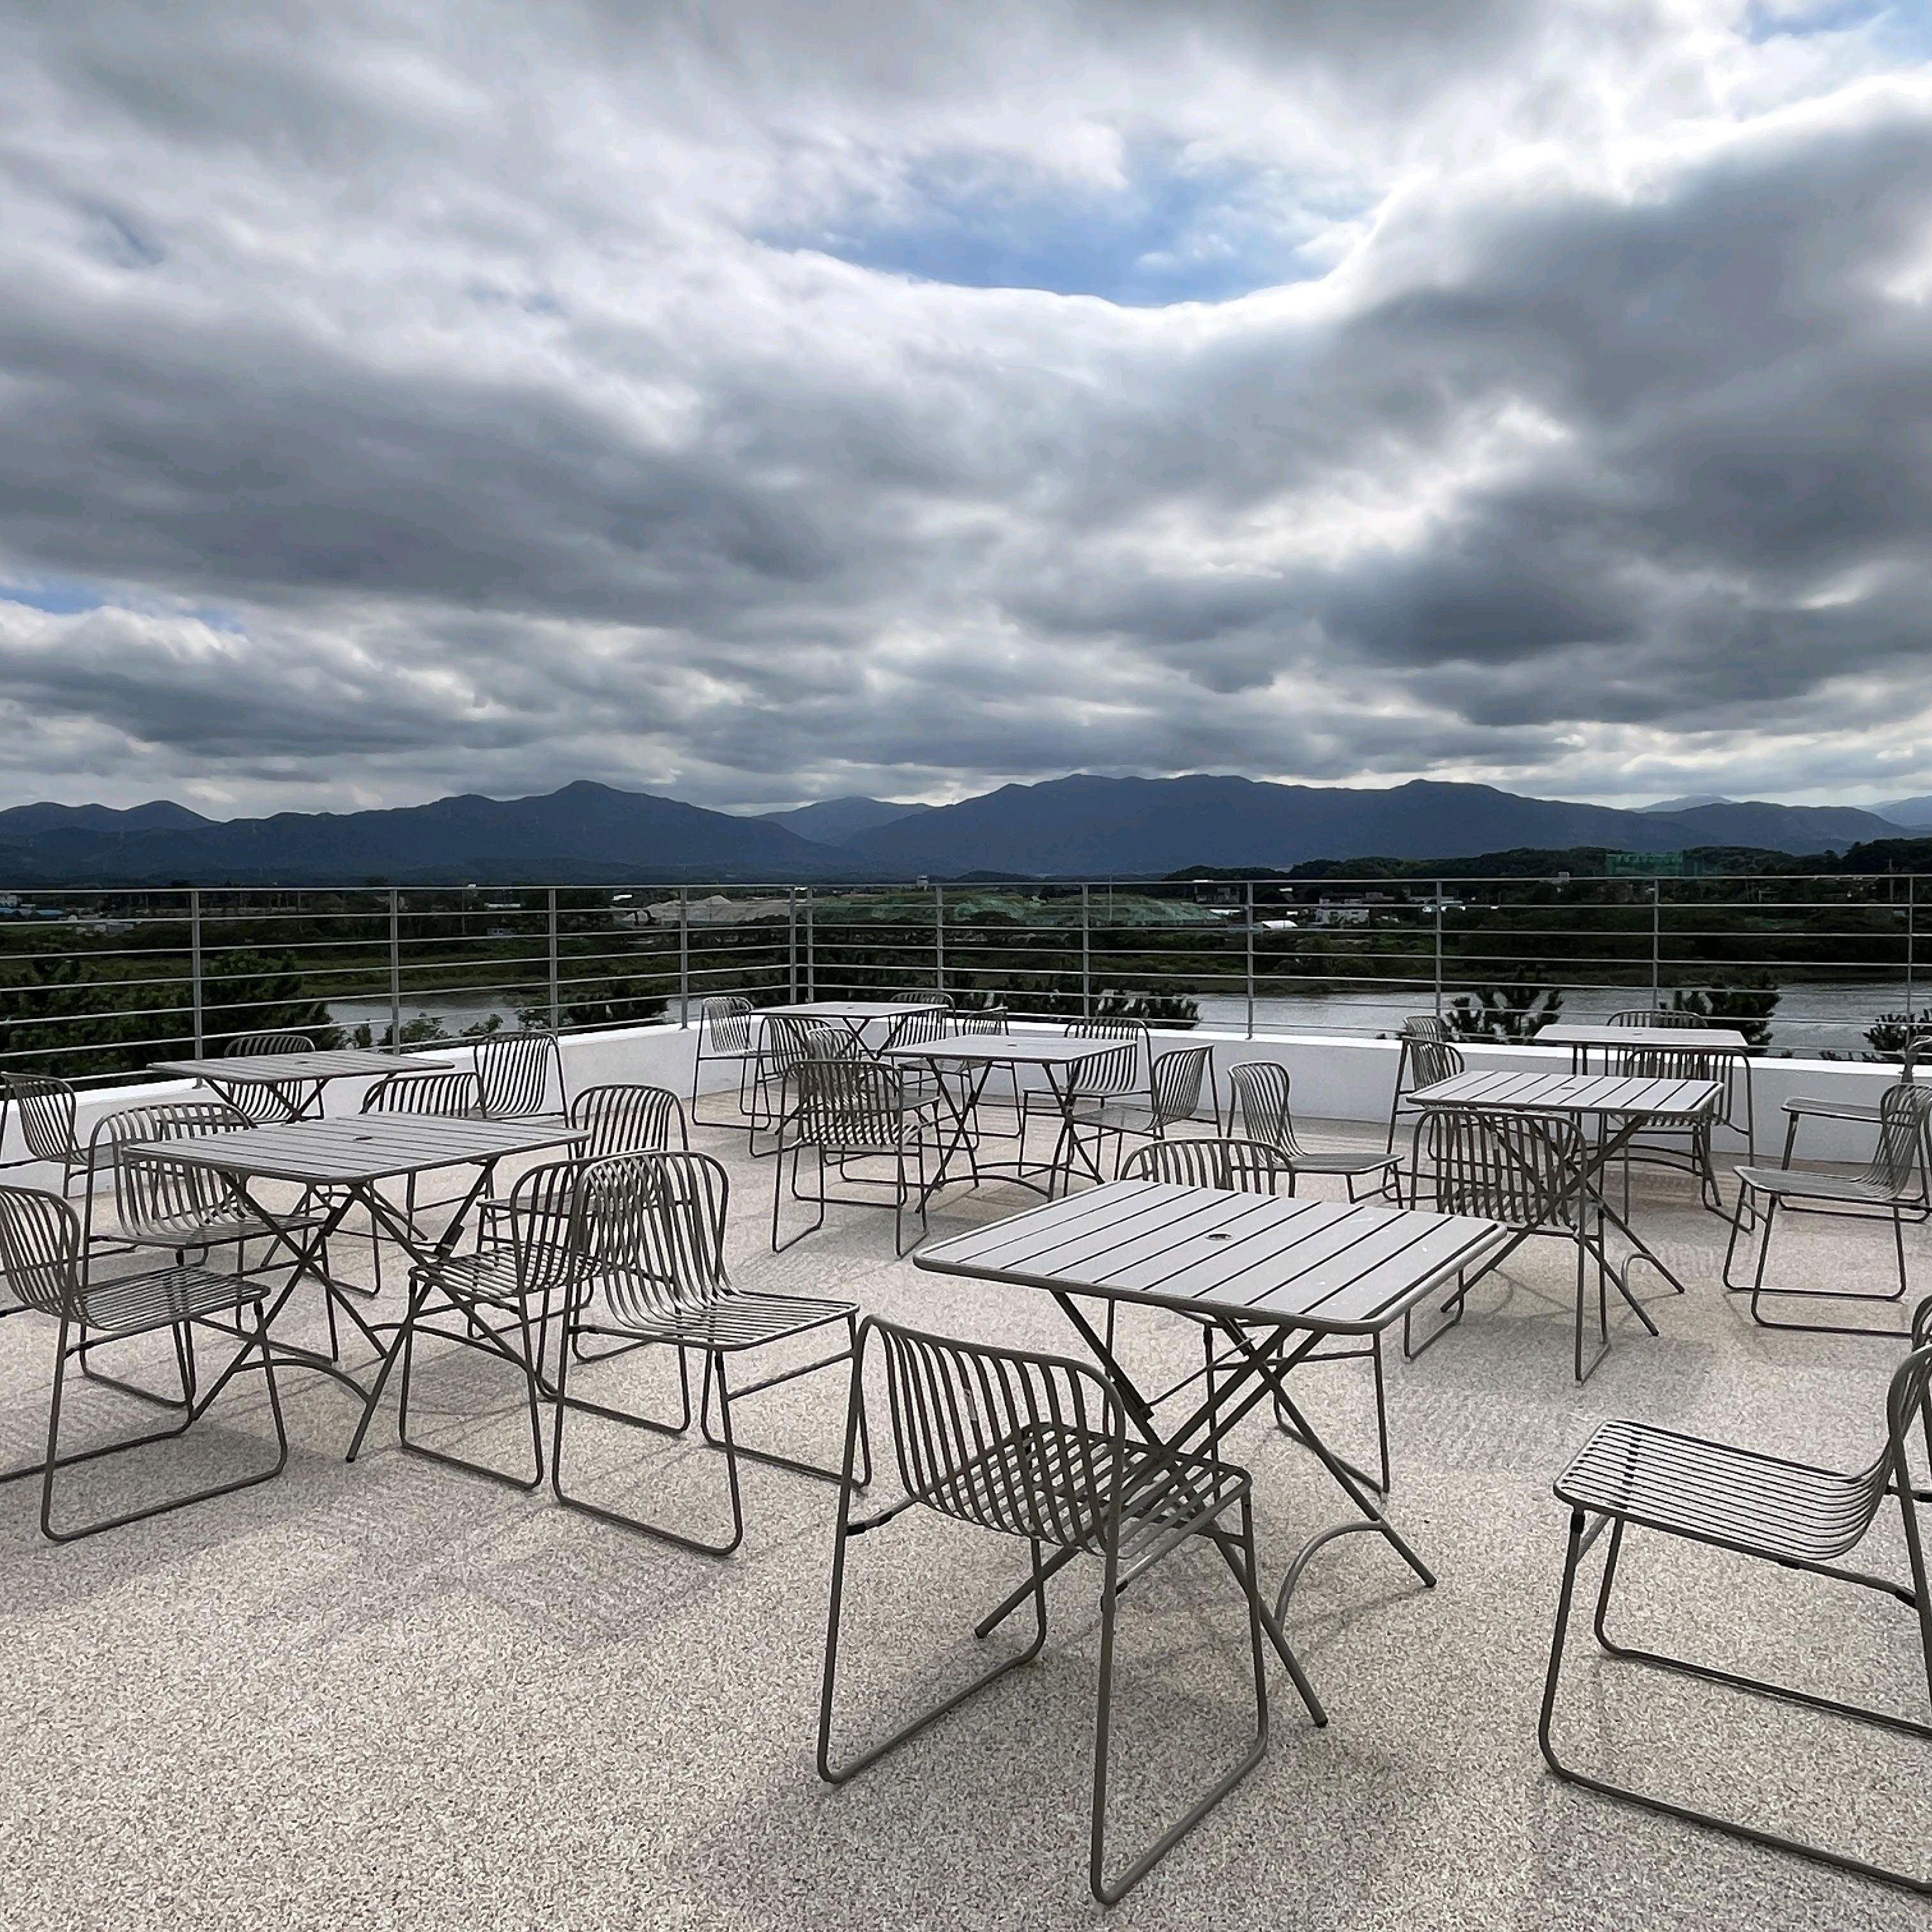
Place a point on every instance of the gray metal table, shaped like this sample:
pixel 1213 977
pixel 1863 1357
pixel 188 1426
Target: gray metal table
pixel 349 1159
pixel 854 1015
pixel 313 1070
pixel 1621 1106
pixel 1274 1277
pixel 975 1056
pixel 1711 1042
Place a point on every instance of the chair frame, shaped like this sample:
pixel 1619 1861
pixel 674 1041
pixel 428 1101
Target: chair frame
pixel 1904 1148
pixel 1431 1028
pixel 1266 1117
pixel 946 1450
pixel 41 1247
pixel 48 1110
pixel 659 1262
pixel 268 1105
pixel 514 1072
pixel 727 1028
pixel 1906 1403
pixel 870 1121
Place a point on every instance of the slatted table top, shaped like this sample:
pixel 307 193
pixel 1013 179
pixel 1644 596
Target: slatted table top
pixel 275 1069
pixel 849 1009
pixel 1614 1094
pixel 1667 1039
pixel 1329 1265
pixel 1005 1049
pixel 369 1146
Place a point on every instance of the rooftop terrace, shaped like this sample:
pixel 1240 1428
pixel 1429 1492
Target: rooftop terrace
pixel 390 1694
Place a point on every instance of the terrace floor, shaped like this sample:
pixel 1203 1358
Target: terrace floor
pixel 393 1695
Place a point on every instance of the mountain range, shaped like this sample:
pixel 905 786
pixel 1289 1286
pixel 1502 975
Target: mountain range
pixel 1072 827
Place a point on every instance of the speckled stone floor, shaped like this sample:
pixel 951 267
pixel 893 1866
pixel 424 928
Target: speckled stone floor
pixel 390 1694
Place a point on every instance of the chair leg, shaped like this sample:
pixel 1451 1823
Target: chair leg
pixel 566 1403
pixel 771 1456
pixel 524 1357
pixel 1111 1891
pixel 1582 1535
pixel 257 1344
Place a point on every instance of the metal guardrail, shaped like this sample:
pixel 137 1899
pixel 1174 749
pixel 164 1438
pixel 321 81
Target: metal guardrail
pixel 95 984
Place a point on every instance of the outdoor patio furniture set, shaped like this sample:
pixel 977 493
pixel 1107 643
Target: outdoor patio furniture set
pixel 614 1242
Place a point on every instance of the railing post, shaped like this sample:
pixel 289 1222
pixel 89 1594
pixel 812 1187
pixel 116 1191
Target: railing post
pixel 1086 953
pixel 1251 958
pixel 1656 929
pixel 684 955
pixel 939 939
pixel 811 952
pixel 1911 935
pixel 1438 949
pixel 194 968
pixel 556 1003
pixel 395 971
pixel 791 945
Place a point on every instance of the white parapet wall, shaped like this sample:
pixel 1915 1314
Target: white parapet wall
pixel 1333 1078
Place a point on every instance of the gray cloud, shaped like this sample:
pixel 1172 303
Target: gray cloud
pixel 413 392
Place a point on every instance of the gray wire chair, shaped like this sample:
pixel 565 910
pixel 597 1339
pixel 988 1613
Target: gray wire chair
pixel 1429 1026
pixel 1804 1107
pixel 1894 1186
pixel 286 1100
pixel 993 1021
pixel 1734 1110
pixel 1630 1476
pixel 499 1301
pixel 1037 1446
pixel 1107 1076
pixel 1257 1107
pixel 1176 1080
pixel 449 1096
pixel 1519 1169
pixel 788 1039
pixel 650 1230
pixel 1425 1060
pixel 726 1031
pixel 40 1251
pixel 518 1074
pixel 850 1109
pixel 48 1110
pixel 1656 1016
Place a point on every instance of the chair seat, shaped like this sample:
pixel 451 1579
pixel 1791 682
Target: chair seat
pixel 732 1322
pixel 1807 1184
pixel 1062 1478
pixel 208 1230
pixel 490 1273
pixel 1709 1489
pixel 1341 1160
pixel 136 1303
pixel 1831 1110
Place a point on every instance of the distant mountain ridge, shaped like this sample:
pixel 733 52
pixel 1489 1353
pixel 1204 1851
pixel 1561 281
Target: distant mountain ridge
pixel 1070 827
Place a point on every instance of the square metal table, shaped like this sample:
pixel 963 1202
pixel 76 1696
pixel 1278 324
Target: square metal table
pixel 1273 1276
pixel 974 1056
pixel 1712 1043
pixel 1621 1106
pixel 855 1016
pixel 349 1158
pixel 312 1070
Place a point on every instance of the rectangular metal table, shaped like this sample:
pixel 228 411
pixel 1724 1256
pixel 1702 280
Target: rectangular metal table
pixel 1712 1042
pixel 314 1070
pixel 1621 1106
pixel 349 1158
pixel 975 1056
pixel 1274 1277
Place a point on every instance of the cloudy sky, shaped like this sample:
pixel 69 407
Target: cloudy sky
pixel 764 399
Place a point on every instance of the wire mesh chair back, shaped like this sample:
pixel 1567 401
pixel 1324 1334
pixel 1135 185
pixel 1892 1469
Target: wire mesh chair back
pixel 39 1251
pixel 261 1103
pixel 623 1119
pixel 47 1109
pixel 853 1104
pixel 914 998
pixel 1259 1104
pixel 1516 1168
pixel 1898 1163
pixel 157 1198
pixel 1666 1063
pixel 1029 1445
pixel 1851 1514
pixel 543 1220
pixel 1426 1026
pixel 1656 1016
pixel 788 1039
pixel 724 1025
pixel 1177 1078
pixel 921 1026
pixel 1431 1060
pixel 1244 1167
pixel 453 1095
pixel 518 1072
pixel 984 1019
pixel 649 1228
pixel 1109 1073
